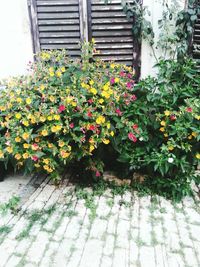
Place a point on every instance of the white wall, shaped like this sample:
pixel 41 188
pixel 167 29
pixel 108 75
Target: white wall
pixel 147 59
pixel 15 43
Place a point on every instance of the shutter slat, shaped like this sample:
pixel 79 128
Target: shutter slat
pixel 58 9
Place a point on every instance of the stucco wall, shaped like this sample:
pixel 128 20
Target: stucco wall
pixel 15 43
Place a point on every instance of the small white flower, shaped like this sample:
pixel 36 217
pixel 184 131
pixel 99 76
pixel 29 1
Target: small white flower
pixel 141 138
pixel 170 160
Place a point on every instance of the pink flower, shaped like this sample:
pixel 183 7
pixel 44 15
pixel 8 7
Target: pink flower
pixel 129 75
pixel 133 97
pixel 132 137
pixel 90 101
pixel 118 111
pixel 97 174
pixel 34 158
pixel 122 74
pixel 112 80
pixel 189 109
pixel 71 125
pixel 61 108
pixel 129 85
pixel 83 129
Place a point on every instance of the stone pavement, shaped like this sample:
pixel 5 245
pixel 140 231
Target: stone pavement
pixel 64 226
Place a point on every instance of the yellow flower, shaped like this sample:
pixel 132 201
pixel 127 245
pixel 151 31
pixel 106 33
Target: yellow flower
pixel 56 128
pixel 64 154
pixel 112 66
pixel 112 133
pixel 28 101
pixel 101 100
pixel 194 134
pixel 117 80
pixel 106 141
pixel 93 91
pixel 190 137
pixel 1 154
pixel 18 156
pixel 197 117
pixel 106 87
pixel 52 98
pixel 91 148
pixel 19 100
pixel 42 87
pixel 18 139
pixel 25 136
pixel 51 69
pixel 170 148
pixel 108 125
pixel 93 40
pixel 37 165
pixel 49 118
pixel 100 120
pixel 46 167
pixel 167 112
pixel 42 119
pixel 61 143
pixel 74 104
pixel 69 99
pixel 25 155
pixel 165 135
pixel 162 129
pixel 44 132
pixel 63 69
pixel 58 73
pixel 198 155
pixel 46 161
pixel 105 94
pixel 56 117
pixel 33 120
pixel 18 116
pixel 91 82
pixel 51 73
pixel 50 145
pixel 37 139
pixel 49 170
pixel 69 148
pixel 163 123
pixel 9 149
pixel 25 123
pixel 26 145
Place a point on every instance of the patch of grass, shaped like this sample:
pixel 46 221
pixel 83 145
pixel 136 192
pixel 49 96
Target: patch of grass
pixel 11 205
pixel 5 229
pixel 110 202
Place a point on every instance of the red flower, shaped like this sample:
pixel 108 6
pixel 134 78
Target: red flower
pixel 118 111
pixel 71 125
pixel 61 108
pixel 92 128
pixel 97 174
pixel 89 114
pixel 34 158
pixel 135 126
pixel 132 137
pixel 172 117
pixel 189 109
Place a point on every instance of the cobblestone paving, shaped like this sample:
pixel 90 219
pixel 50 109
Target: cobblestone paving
pixel 55 227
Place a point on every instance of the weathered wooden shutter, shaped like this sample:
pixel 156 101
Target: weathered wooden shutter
pixel 56 25
pixel 196 37
pixel 112 31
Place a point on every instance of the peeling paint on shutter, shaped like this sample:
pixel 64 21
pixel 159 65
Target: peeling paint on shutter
pixel 112 31
pixel 58 25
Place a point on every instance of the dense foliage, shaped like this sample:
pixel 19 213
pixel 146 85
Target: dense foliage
pixel 92 113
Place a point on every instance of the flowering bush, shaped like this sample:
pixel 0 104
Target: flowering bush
pixel 62 112
pixel 92 112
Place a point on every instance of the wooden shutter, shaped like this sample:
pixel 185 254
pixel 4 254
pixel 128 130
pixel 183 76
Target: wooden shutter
pixel 56 25
pixel 111 30
pixel 196 37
